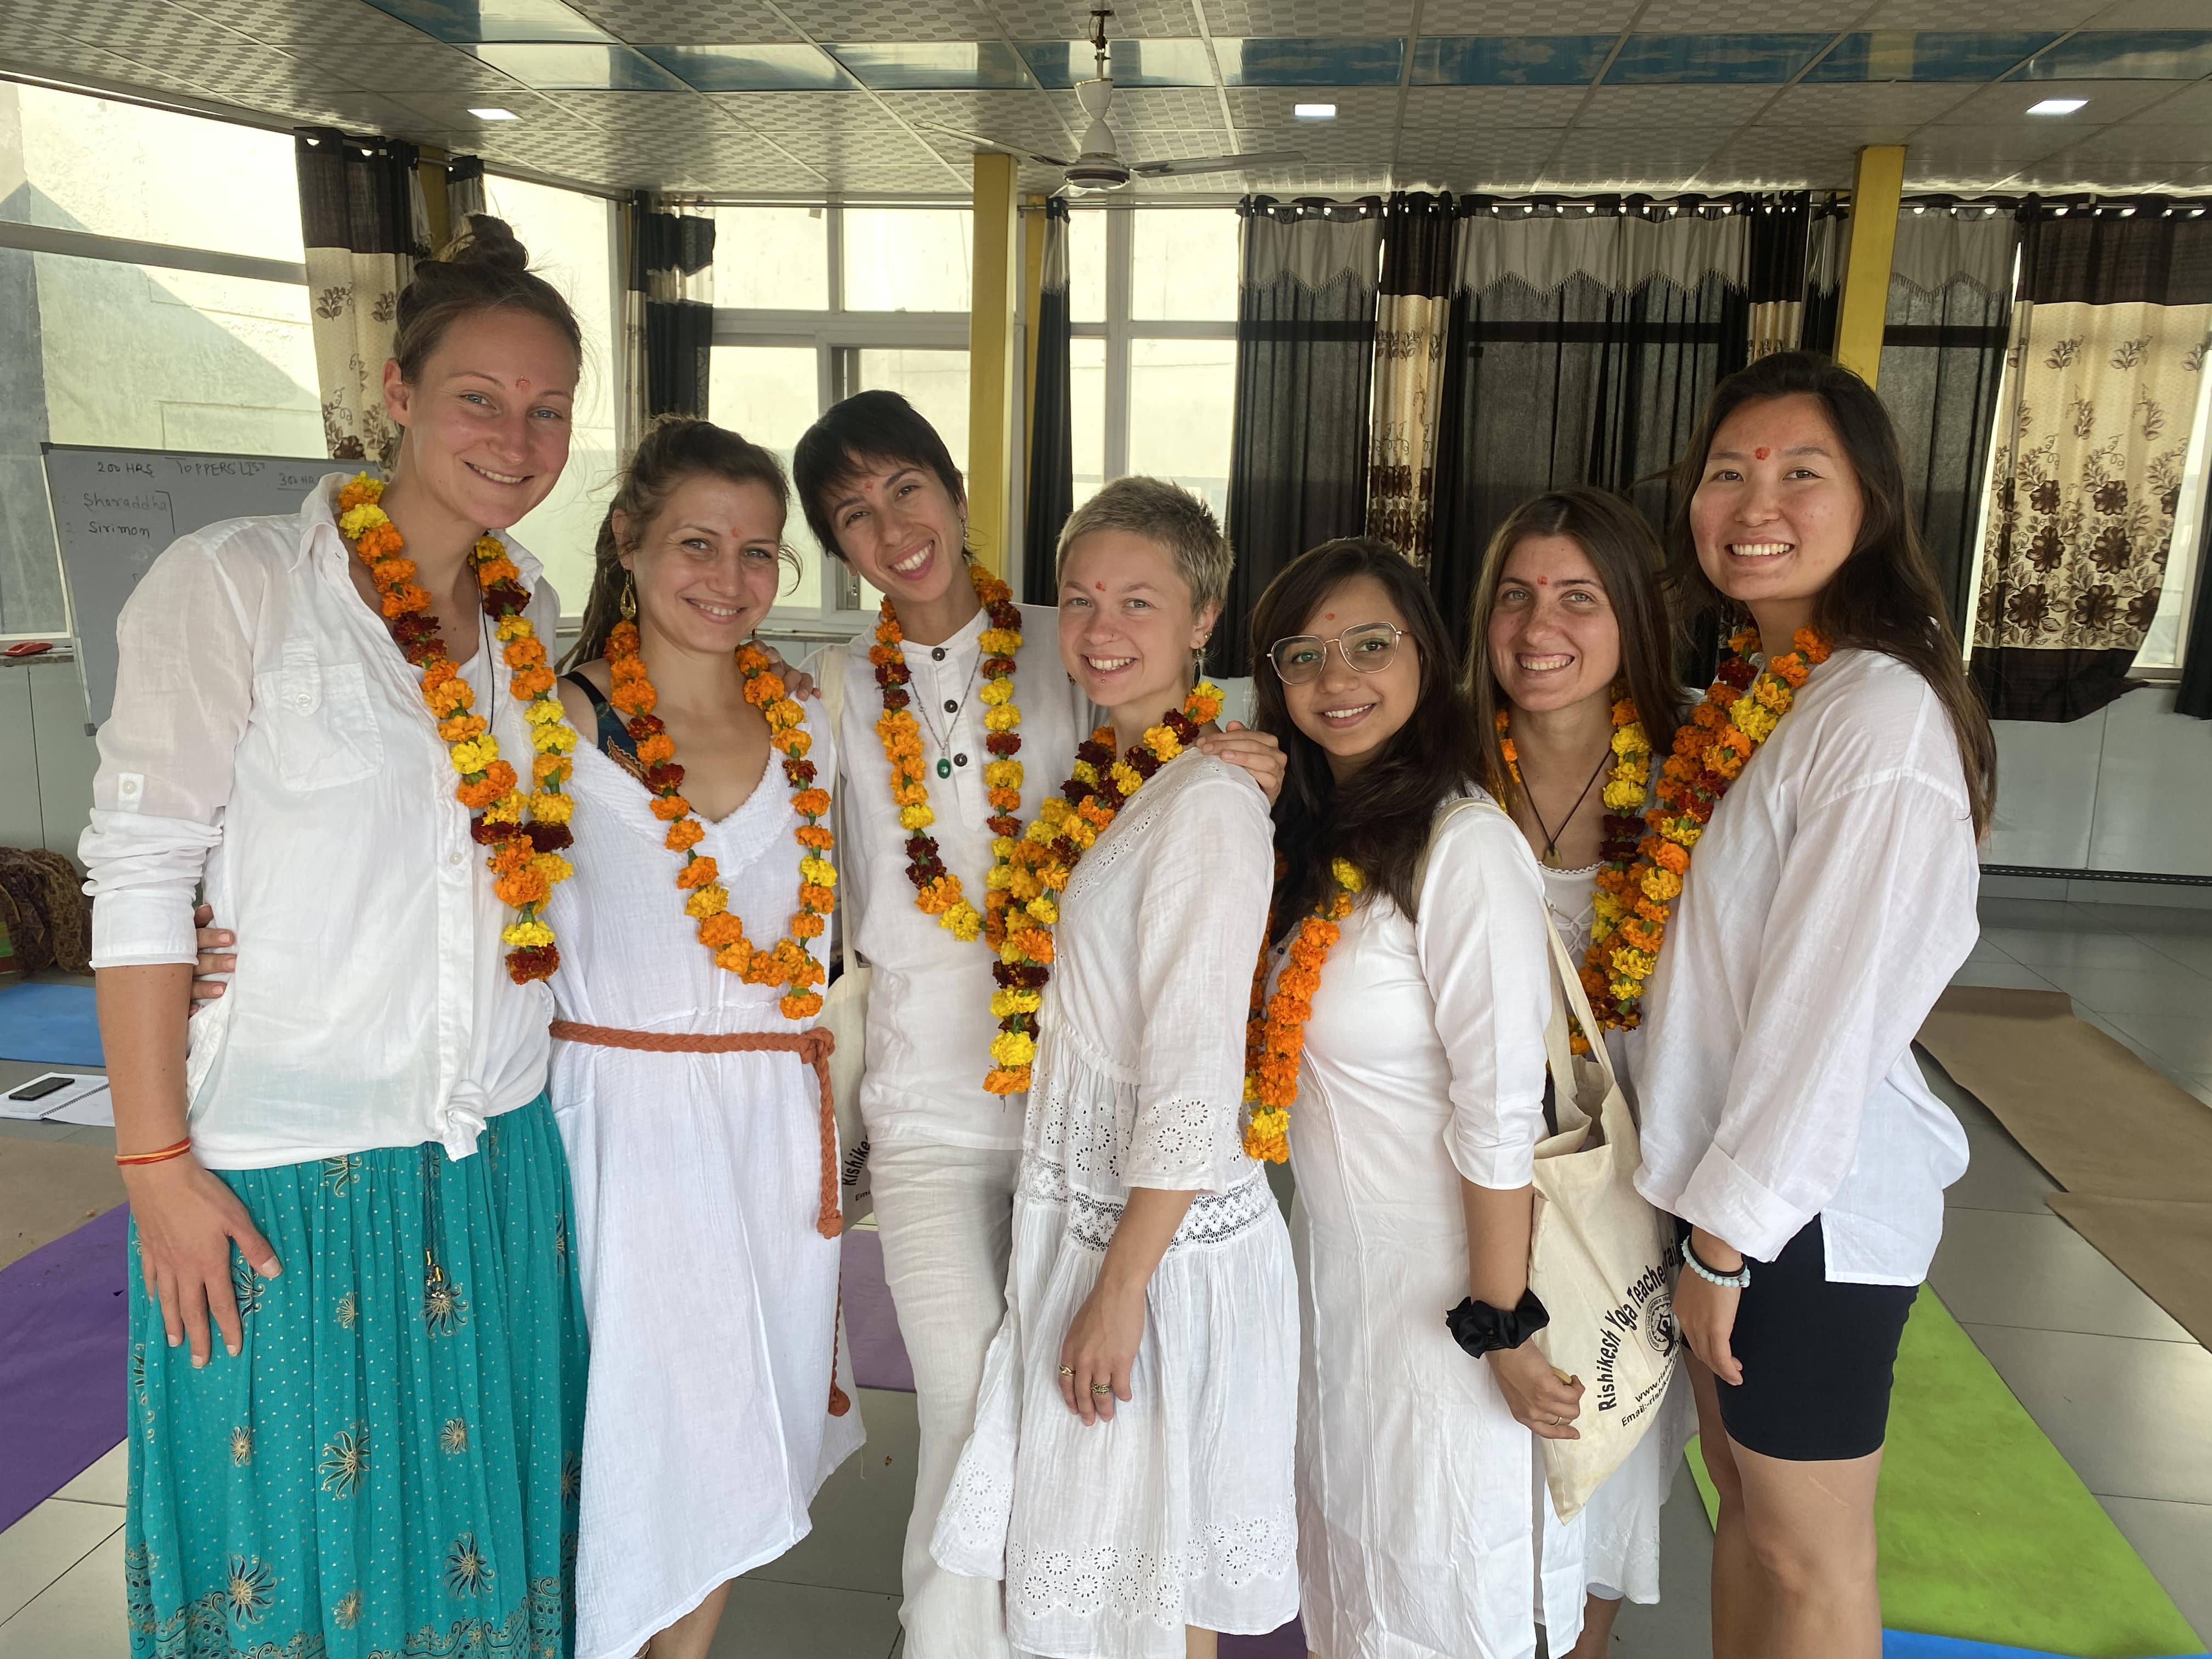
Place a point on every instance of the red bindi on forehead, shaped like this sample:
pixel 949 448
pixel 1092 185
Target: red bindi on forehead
pixel 1761 452
pixel 1543 581
pixel 1328 616
pixel 1101 587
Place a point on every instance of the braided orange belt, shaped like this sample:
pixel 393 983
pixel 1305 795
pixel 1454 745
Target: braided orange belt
pixel 813 1047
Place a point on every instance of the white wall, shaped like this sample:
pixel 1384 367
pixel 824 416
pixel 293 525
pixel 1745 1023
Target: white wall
pixel 46 761
pixel 2129 788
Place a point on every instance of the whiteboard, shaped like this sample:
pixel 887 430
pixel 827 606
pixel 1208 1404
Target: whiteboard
pixel 115 510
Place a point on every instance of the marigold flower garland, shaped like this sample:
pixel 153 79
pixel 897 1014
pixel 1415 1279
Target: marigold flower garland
pixel 1634 903
pixel 1275 1035
pixel 937 889
pixel 1036 867
pixel 789 963
pixel 525 829
pixel 1624 795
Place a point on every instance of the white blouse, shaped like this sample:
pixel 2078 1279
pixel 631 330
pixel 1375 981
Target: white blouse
pixel 268 736
pixel 1828 905
pixel 930 1024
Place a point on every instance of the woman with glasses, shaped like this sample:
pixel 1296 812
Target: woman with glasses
pixel 1568 673
pixel 1424 1530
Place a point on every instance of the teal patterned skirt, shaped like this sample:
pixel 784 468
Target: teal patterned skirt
pixel 388 1469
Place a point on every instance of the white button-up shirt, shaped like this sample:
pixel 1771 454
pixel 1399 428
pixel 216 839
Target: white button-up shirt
pixel 1828 905
pixel 269 736
pixel 930 1023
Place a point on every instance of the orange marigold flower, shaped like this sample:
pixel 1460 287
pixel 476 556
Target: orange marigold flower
pixel 816 836
pixel 811 803
pixel 721 929
pixel 523 887
pixel 816 899
pixel 659 747
pixel 478 795
pixel 808 927
pixel 668 808
pixel 461 727
pixel 698 873
pixel 683 835
pixel 1674 857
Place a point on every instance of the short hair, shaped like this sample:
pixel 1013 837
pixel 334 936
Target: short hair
pixel 881 427
pixel 1165 513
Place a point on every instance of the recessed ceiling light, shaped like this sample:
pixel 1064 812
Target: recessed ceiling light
pixel 495 113
pixel 2057 106
pixel 1314 112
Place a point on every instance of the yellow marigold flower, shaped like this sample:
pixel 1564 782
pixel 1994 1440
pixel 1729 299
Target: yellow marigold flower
pixel 1044 908
pixel 354 520
pixel 1633 963
pixel 1002 774
pixel 1628 740
pixel 1774 694
pixel 1347 875
pixel 547 807
pixel 474 755
pixel 525 935
pixel 1082 832
pixel 513 627
pixel 1085 772
pixel 507 809
pixel 544 711
pixel 916 817
pixel 964 921
pixel 1005 1003
pixel 1624 797
pixel 995 692
pixel 553 739
pixel 1004 717
pixel 709 901
pixel 1013 1049
pixel 1128 778
pixel 1162 742
pixel 817 870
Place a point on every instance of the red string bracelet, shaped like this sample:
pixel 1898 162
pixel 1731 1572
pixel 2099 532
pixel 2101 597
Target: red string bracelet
pixel 162 1157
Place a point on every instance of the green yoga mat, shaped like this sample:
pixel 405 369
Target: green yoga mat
pixel 1987 1534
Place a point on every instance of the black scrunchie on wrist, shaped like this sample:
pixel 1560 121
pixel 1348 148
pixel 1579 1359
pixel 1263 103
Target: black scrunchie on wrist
pixel 1479 1329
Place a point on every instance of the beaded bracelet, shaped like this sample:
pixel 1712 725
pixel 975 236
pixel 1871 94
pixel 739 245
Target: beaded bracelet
pixel 162 1157
pixel 1735 1281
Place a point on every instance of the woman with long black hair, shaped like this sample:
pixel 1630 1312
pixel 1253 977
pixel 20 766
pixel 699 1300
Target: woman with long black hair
pixel 1805 893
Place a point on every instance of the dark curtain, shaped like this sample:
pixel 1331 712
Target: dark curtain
pixel 1942 356
pixel 672 265
pixel 2109 349
pixel 1412 320
pixel 1306 366
pixel 1052 432
pixel 464 188
pixel 2195 692
pixel 1584 384
pixel 1781 227
pixel 362 221
pixel 1827 239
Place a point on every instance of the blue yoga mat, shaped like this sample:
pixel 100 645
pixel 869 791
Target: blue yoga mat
pixel 50 1025
pixel 1900 1644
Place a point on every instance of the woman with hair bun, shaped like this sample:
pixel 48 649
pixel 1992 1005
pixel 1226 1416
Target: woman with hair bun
pixel 344 722
pixel 688 1074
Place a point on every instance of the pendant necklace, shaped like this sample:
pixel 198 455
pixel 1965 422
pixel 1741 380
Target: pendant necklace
pixel 951 712
pixel 1550 859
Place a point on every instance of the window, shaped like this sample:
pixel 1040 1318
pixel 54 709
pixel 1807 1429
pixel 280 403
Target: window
pixel 1181 401
pixel 780 261
pixel 909 259
pixel 570 237
pixel 771 394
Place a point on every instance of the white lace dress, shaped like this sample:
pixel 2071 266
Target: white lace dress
pixel 710 1294
pixel 1111 1539
pixel 1620 1523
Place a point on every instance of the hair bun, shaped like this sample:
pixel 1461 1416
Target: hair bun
pixel 486 240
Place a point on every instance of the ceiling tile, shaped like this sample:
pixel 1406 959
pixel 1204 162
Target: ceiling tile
pixel 2152 14
pixel 349 23
pixel 1682 59
pixel 1893 108
pixel 1658 156
pixel 561 68
pixel 1781 158
pixel 694 22
pixel 1369 108
pixel 1566 60
pixel 1479 161
pixel 1640 106
pixel 2105 100
pixel 1718 17
pixel 1503 17
pixel 1308 17
pixel 792 66
pixel 1149 63
pixel 1017 119
pixel 2015 143
pixel 470 21
pixel 1447 109
pixel 932 66
pixel 890 20
pixel 1983 15
pixel 1070 20
pixel 2173 146
pixel 2191 103
pixel 877 143
pixel 669 115
pixel 818 112
pixel 1170 109
pixel 2126 55
pixel 428 67
pixel 67 59
pixel 1905 56
pixel 448 112
pixel 1311 63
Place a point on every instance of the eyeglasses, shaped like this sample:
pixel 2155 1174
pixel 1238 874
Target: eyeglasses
pixel 1367 649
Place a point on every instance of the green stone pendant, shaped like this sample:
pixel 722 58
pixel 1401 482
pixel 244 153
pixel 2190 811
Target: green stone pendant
pixel 944 766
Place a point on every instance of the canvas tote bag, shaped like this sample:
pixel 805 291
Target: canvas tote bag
pixel 844 1007
pixel 1601 1259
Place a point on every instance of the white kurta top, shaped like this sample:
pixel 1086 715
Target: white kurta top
pixel 1828 905
pixel 1424 1529
pixel 710 1295
pixel 1179 1511
pixel 929 1002
pixel 268 735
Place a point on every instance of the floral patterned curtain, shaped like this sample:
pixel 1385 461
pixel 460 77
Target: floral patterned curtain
pixel 2109 340
pixel 1412 316
pixel 363 218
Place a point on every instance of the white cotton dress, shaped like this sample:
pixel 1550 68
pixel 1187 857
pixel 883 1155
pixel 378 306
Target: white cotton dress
pixel 1112 1537
pixel 1620 1522
pixel 1423 1528
pixel 710 1294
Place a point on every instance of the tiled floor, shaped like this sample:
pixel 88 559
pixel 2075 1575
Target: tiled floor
pixel 2107 1374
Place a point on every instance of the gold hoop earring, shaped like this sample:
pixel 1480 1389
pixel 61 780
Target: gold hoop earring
pixel 629 596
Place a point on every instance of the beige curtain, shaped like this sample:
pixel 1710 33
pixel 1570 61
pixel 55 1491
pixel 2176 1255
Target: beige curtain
pixel 363 218
pixel 1412 317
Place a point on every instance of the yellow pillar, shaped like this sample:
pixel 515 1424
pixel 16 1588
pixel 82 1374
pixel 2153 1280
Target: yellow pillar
pixel 430 168
pixel 1877 187
pixel 991 364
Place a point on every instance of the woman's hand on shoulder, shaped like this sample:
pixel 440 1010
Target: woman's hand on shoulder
pixel 1257 752
pixel 188 1219
pixel 796 681
pixel 1542 1401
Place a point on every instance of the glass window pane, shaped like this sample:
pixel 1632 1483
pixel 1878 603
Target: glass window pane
pixel 1086 373
pixel 570 236
pixel 771 394
pixel 121 170
pixel 1182 397
pixel 1086 265
pixel 1184 265
pixel 909 259
pixel 772 258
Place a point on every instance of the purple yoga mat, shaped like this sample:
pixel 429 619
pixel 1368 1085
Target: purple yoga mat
pixel 66 1310
pixel 879 1358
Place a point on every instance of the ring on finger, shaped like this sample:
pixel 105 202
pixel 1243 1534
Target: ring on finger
pixel 1102 1387
pixel 1067 1371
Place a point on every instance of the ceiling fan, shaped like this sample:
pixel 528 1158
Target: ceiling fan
pixel 1099 167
